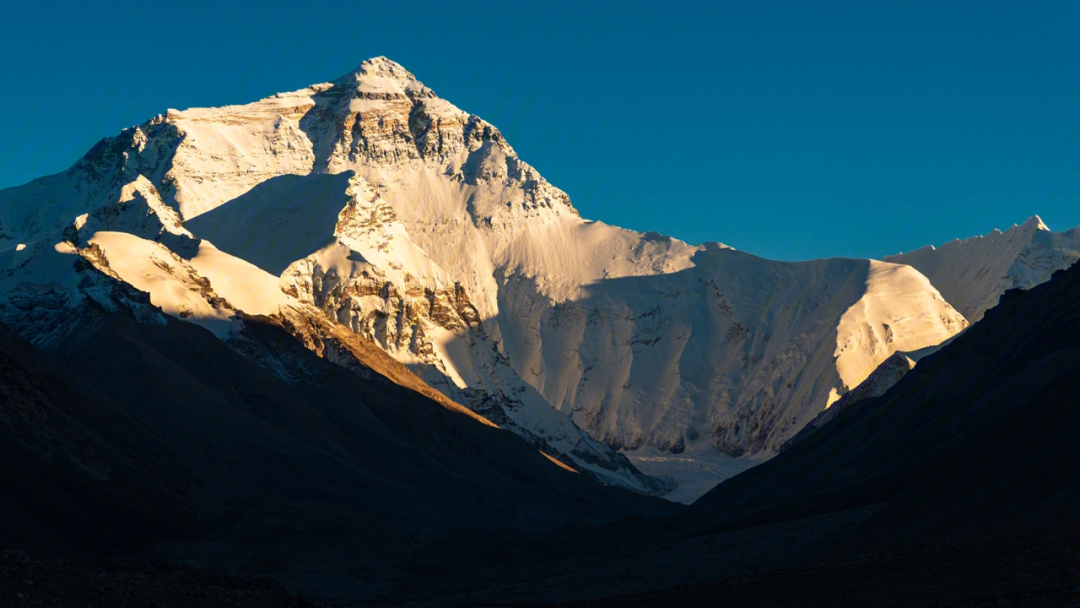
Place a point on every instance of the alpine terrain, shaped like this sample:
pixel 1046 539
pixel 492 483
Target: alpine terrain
pixel 346 339
pixel 368 208
pixel 973 273
pixel 955 487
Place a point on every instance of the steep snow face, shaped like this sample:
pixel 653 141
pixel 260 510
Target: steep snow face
pixel 735 351
pixel 375 204
pixel 221 153
pixel 899 311
pixel 973 273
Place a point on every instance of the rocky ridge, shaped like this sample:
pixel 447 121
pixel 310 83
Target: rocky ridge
pixel 973 273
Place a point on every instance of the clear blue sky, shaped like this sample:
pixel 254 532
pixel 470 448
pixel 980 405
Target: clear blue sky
pixel 789 131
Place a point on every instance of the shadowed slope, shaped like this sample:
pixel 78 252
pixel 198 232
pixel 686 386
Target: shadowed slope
pixel 279 221
pixel 977 437
pixel 80 475
pixel 1032 567
pixel 327 459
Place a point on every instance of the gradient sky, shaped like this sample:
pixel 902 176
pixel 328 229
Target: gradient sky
pixel 789 131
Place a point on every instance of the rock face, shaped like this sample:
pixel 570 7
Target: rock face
pixel 973 273
pixel 374 204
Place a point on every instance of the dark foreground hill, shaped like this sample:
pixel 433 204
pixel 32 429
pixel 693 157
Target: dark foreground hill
pixel 139 434
pixel 1036 567
pixel 59 583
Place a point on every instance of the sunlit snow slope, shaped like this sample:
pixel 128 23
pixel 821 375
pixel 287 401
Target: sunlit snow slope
pixel 973 273
pixel 372 203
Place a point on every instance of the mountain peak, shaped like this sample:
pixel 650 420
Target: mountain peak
pixel 384 68
pixel 382 78
pixel 1035 222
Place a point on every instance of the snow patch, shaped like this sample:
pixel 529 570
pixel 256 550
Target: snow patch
pixel 243 284
pixel 150 267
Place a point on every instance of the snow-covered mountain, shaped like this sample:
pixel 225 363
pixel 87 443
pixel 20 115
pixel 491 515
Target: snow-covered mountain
pixel 973 273
pixel 369 205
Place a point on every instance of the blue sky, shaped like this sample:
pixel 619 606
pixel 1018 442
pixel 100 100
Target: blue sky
pixel 787 130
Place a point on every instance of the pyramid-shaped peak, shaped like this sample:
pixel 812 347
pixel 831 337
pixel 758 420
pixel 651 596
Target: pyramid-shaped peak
pixel 380 77
pixel 379 69
pixel 385 68
pixel 1036 223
